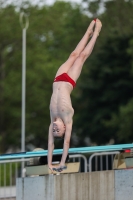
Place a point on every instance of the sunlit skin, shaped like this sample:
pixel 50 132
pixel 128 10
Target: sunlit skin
pixel 61 110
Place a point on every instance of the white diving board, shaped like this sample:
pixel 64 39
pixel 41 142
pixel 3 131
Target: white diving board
pixel 82 150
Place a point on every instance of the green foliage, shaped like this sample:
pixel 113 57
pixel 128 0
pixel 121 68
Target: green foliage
pixel 104 91
pixel 7 174
pixel 122 122
pixel 107 82
pixel 50 39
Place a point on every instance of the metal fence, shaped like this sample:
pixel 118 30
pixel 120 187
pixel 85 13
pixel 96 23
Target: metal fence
pixel 101 161
pixel 10 170
pixel 79 157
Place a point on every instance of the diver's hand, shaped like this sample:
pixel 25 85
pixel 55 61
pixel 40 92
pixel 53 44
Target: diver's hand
pixel 51 168
pixel 60 168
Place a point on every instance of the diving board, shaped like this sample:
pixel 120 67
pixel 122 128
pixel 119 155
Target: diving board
pixel 81 150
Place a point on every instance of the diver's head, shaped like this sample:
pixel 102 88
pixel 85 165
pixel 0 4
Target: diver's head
pixel 58 128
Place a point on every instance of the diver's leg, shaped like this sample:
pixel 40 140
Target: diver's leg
pixel 75 70
pixel 79 48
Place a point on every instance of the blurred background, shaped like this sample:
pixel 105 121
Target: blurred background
pixel 103 97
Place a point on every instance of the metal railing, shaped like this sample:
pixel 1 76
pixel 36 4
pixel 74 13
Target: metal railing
pixel 95 155
pixel 79 156
pixel 10 170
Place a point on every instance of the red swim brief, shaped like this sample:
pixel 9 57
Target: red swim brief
pixel 66 78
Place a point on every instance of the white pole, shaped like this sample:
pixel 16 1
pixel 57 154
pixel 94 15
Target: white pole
pixel 23 90
pixel 24 28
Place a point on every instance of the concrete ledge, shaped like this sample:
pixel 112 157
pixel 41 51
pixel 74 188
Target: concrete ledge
pixel 124 184
pixel 78 186
pixel 8 192
pixel 104 185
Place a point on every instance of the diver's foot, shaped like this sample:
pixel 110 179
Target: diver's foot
pixel 91 27
pixel 98 26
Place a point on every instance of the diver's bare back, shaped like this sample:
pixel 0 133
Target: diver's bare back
pixel 60 104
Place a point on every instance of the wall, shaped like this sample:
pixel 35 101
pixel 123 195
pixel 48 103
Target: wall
pixel 104 185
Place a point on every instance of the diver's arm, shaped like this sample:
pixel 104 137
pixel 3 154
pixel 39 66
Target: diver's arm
pixel 66 142
pixel 50 147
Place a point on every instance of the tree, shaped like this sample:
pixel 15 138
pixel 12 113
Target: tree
pixel 122 123
pixel 107 83
pixel 48 46
pixel 103 92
